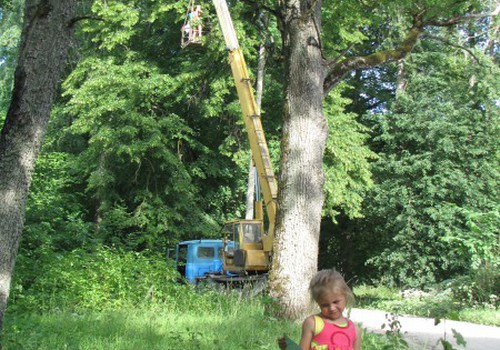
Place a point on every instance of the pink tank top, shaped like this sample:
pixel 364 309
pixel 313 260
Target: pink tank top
pixel 328 336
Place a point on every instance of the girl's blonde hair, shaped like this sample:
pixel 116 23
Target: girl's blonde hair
pixel 327 280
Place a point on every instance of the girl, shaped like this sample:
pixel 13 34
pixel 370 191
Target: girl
pixel 329 329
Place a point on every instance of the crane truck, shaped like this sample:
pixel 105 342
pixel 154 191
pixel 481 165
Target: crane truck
pixel 247 245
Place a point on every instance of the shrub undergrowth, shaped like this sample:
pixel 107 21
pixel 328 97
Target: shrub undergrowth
pixel 100 278
pixel 106 298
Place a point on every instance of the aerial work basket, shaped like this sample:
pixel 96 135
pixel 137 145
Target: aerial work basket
pixel 192 29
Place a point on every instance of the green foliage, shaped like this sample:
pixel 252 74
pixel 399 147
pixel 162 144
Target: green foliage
pixel 378 341
pixel 393 333
pixel 134 161
pixel 346 159
pixel 344 30
pixel 11 13
pixel 55 217
pixel 478 288
pixel 347 165
pixel 95 278
pixel 438 166
pixel 480 242
pixel 442 302
pixel 108 298
pixel 227 322
pixel 147 147
pixel 241 326
pixel 480 315
pixel 354 28
pixel 158 131
pixel 119 18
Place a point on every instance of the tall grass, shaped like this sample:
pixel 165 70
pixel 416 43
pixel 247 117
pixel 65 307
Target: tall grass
pixel 112 299
pixel 237 323
pixel 157 326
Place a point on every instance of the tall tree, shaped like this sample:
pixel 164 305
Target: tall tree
pixel 156 114
pixel 438 166
pixel 309 76
pixel 45 41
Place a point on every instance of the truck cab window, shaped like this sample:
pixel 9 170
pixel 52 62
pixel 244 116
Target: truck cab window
pixel 206 252
pixel 182 258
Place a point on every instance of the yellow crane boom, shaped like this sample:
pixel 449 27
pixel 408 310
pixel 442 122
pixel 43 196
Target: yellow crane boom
pixel 253 124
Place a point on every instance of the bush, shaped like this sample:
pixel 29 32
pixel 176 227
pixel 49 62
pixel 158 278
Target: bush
pixel 98 279
pixel 480 287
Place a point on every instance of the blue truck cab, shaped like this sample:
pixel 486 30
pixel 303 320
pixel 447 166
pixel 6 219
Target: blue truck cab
pixel 195 258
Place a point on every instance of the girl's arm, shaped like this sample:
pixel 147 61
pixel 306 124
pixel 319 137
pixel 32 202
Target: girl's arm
pixel 357 342
pixel 307 333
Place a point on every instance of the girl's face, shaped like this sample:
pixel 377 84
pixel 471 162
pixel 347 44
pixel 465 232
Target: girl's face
pixel 332 304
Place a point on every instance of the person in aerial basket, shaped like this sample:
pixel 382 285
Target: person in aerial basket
pixel 196 24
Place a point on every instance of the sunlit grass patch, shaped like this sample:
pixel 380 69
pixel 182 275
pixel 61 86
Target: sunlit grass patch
pixel 243 326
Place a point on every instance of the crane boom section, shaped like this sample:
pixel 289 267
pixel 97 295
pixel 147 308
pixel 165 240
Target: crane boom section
pixel 258 143
pixel 251 116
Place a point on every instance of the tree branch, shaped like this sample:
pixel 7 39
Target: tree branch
pixel 258 4
pixel 460 19
pixel 339 69
pixel 448 42
pixel 74 20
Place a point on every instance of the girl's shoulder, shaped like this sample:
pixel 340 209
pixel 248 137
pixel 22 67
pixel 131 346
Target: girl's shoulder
pixel 316 323
pixel 311 322
pixel 314 318
pixel 308 325
pixel 309 319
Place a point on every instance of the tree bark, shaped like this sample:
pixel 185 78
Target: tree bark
pixel 300 197
pixel 401 81
pixel 45 41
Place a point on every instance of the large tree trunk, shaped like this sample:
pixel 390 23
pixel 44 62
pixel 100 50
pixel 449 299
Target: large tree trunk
pixel 305 130
pixel 45 41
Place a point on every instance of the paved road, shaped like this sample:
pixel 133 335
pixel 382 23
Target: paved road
pixel 422 334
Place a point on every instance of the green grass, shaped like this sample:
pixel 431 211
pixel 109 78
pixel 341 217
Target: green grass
pixel 198 320
pixel 482 316
pixel 434 304
pixel 113 299
pixel 243 325
pixel 149 329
